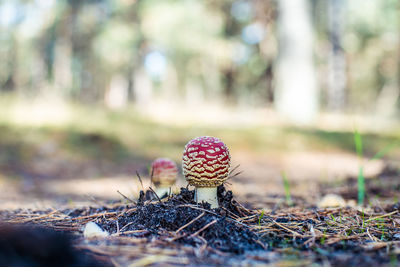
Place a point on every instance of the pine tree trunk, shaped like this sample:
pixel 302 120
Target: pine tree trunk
pixel 337 80
pixel 296 91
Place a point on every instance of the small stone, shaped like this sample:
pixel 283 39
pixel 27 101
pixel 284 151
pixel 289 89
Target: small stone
pixel 93 230
pixel 331 201
pixel 396 236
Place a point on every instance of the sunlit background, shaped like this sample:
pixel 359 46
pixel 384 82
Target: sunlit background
pixel 92 91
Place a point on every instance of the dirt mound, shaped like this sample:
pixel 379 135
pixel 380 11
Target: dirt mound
pixel 178 219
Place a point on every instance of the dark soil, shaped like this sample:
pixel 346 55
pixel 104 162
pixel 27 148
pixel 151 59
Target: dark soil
pixel 223 232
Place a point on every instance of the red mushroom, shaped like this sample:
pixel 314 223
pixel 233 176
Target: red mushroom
pixel 164 172
pixel 205 164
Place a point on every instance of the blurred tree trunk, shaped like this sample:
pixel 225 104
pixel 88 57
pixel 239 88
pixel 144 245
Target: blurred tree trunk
pixel 337 80
pixel 296 91
pixel 10 82
pixel 137 51
pixel 398 56
pixel 131 82
pixel 269 77
pixel 76 62
pixel 85 87
pixel 130 76
pixel 229 82
pixel 387 100
pixel 46 47
pixel 231 29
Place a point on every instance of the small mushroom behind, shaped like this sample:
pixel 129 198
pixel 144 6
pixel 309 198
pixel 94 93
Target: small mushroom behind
pixel 205 165
pixel 163 175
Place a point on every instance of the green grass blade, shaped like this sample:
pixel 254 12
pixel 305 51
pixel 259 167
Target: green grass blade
pixel 361 185
pixel 261 216
pixel 381 153
pixel 286 185
pixel 358 143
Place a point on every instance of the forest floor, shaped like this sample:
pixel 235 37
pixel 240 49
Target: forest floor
pixel 176 231
pixel 62 176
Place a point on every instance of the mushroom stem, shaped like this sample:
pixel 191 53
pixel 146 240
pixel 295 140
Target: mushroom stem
pixel 207 194
pixel 162 191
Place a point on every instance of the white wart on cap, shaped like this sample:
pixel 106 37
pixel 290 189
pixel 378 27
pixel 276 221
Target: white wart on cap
pixel 205 165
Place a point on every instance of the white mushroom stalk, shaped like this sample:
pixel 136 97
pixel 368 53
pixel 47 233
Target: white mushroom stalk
pixel 207 194
pixel 163 175
pixel 206 164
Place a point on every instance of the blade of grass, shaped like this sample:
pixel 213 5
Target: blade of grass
pixel 260 218
pixel 361 185
pixel 381 153
pixel 358 143
pixel 360 178
pixel 359 149
pixel 286 185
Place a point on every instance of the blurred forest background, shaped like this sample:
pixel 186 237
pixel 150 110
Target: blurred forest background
pixel 334 55
pixel 85 85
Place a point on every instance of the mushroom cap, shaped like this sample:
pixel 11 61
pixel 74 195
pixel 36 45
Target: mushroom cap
pixel 164 172
pixel 206 162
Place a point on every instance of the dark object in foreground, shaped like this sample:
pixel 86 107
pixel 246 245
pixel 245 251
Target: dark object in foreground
pixel 37 246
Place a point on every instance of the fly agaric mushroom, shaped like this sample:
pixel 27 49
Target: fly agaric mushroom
pixel 205 164
pixel 164 172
